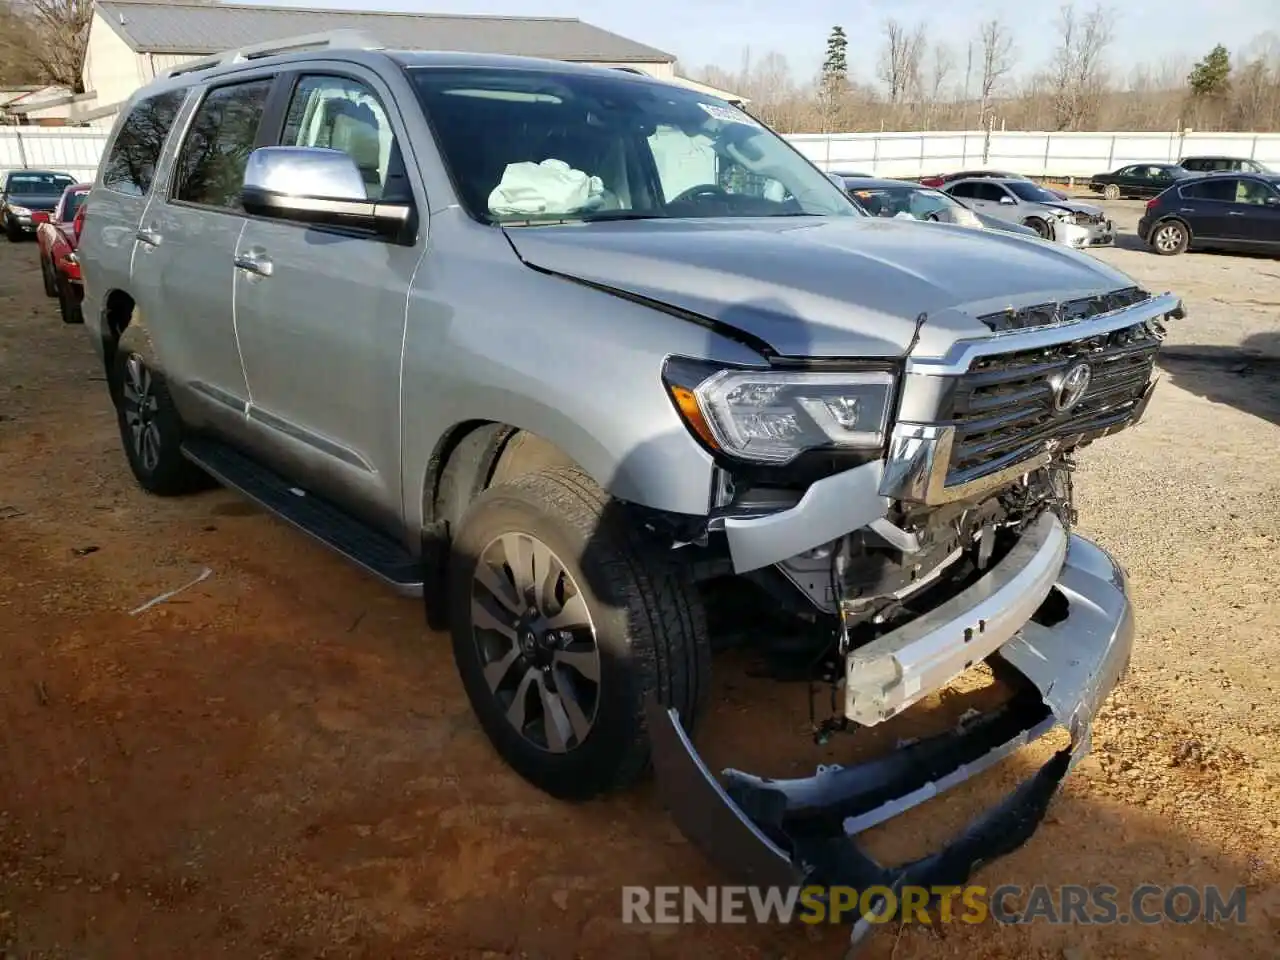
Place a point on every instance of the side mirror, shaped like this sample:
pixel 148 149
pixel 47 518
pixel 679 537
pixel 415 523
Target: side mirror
pixel 319 186
pixel 39 216
pixel 1272 201
pixel 1007 200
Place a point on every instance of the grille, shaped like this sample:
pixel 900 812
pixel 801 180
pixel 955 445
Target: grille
pixel 1044 314
pixel 1087 219
pixel 1003 407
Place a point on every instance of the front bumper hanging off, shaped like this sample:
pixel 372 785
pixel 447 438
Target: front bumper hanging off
pixel 798 833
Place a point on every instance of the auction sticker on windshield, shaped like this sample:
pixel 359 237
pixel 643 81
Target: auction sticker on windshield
pixel 728 114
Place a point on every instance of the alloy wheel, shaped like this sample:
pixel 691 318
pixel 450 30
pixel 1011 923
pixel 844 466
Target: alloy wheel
pixel 141 410
pixel 537 644
pixel 1168 238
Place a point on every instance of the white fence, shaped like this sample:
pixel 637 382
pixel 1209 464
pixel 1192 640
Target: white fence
pixel 73 150
pixel 76 150
pixel 1031 154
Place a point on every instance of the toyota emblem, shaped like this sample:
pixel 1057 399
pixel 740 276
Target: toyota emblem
pixel 1070 390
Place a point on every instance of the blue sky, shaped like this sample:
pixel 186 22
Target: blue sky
pixel 702 32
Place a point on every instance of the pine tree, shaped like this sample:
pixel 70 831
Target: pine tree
pixel 1211 77
pixel 836 66
pixel 835 77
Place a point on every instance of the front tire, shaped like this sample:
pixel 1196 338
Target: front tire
pixel 12 231
pixel 1111 191
pixel 564 618
pixel 150 426
pixel 1170 238
pixel 1040 227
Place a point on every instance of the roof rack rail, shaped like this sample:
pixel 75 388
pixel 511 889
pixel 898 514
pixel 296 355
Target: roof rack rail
pixel 343 39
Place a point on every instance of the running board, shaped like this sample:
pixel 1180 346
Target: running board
pixel 364 546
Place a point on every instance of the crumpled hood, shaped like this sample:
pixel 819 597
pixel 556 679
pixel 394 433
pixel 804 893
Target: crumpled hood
pixel 822 287
pixel 1075 206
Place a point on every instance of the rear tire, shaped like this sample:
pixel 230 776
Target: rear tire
pixel 68 305
pixel 612 591
pixel 150 427
pixel 1111 191
pixel 1170 238
pixel 46 273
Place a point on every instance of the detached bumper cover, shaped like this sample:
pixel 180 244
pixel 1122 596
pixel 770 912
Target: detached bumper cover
pixel 795 833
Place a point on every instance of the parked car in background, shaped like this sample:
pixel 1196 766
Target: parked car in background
pixel 26 193
pixel 58 237
pixel 943 179
pixel 903 198
pixel 1070 222
pixel 1222 165
pixel 1138 180
pixel 1229 211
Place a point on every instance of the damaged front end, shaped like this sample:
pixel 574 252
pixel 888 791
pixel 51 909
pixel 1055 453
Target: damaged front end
pixel 961 552
pixel 803 832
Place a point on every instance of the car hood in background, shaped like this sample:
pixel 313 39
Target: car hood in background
pixel 35 201
pixel 821 287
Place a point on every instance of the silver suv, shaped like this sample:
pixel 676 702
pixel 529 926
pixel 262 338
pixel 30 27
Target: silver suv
pixel 613 375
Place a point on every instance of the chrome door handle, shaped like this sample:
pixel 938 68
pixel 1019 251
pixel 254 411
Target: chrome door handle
pixel 1235 213
pixel 150 237
pixel 254 263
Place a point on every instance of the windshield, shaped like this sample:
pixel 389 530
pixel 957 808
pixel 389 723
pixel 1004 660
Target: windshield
pixel 38 184
pixel 74 200
pixel 1027 190
pixel 526 146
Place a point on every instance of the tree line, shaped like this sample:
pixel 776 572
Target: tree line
pixel 921 82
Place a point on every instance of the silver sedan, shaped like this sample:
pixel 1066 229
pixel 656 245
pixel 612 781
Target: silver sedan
pixel 1069 222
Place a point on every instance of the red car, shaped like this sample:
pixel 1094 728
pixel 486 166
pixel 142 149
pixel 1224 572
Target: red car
pixel 58 235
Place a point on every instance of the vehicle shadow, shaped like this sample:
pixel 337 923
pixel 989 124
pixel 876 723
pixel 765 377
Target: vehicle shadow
pixel 1131 241
pixel 1245 377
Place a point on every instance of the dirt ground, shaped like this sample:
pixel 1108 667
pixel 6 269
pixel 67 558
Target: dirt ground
pixel 280 763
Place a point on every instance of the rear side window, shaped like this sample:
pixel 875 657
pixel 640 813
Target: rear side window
pixel 210 169
pixel 1219 188
pixel 131 165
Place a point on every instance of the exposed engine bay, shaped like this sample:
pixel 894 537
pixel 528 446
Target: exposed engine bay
pixel 871 576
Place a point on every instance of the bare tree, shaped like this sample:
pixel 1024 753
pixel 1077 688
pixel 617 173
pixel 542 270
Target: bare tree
pixel 1078 69
pixel 997 60
pixel 61 30
pixel 16 40
pixel 899 67
pixel 942 62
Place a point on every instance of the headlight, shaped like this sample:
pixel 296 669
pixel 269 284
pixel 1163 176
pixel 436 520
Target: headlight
pixel 773 416
pixel 18 211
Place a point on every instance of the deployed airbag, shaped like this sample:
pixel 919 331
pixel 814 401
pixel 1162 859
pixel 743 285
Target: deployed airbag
pixel 548 188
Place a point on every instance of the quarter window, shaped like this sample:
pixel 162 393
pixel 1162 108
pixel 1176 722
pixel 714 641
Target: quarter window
pixel 343 114
pixel 223 132
pixel 131 165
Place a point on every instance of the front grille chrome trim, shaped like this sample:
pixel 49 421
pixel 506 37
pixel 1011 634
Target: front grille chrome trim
pixel 919 461
pixel 961 354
